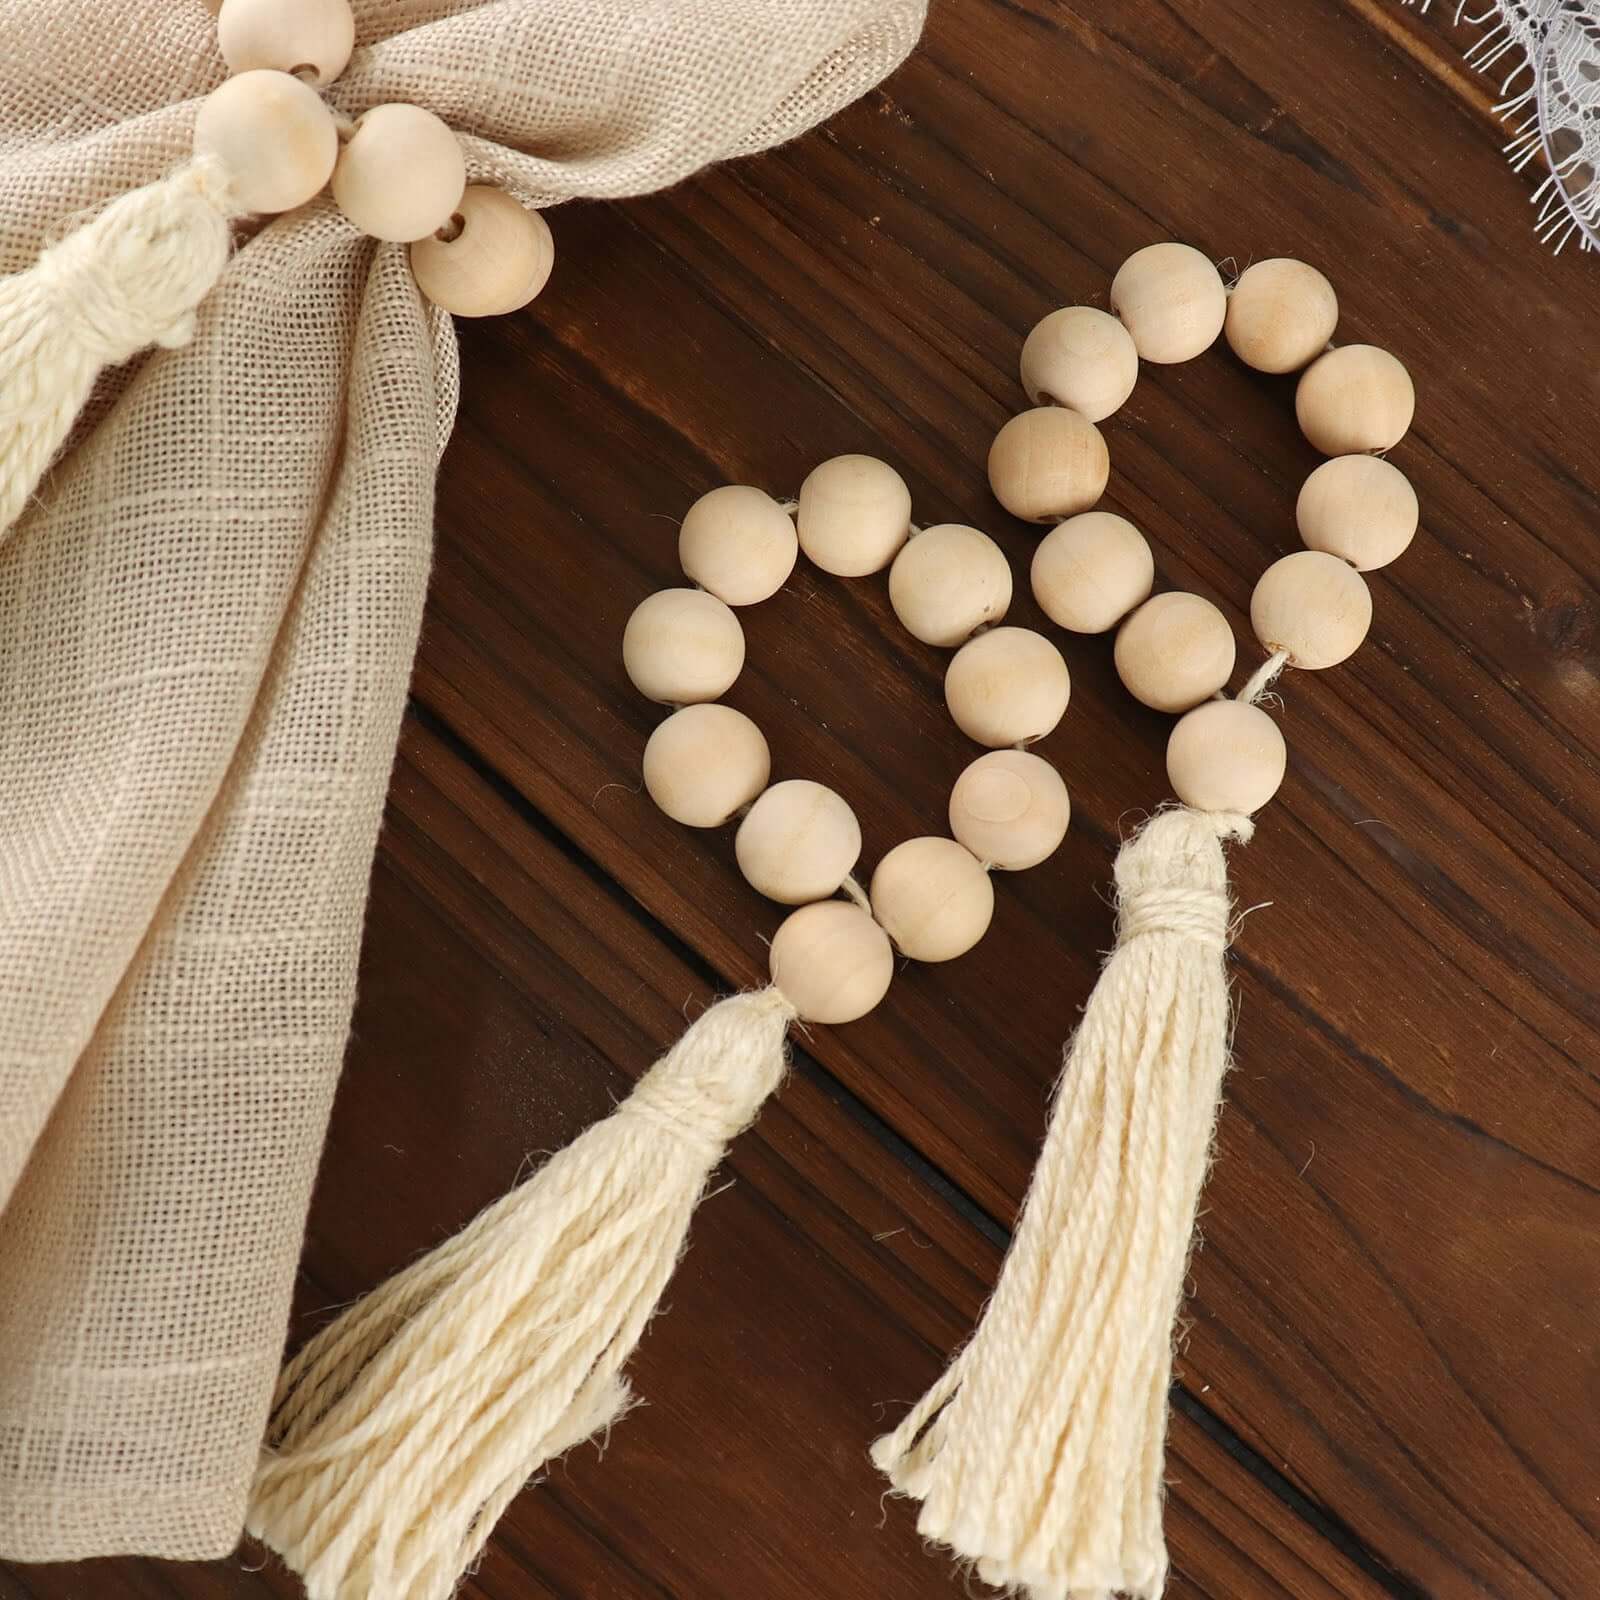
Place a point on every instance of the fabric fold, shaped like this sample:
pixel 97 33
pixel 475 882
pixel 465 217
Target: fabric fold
pixel 207 622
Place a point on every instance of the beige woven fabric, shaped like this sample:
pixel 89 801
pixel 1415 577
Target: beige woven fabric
pixel 206 630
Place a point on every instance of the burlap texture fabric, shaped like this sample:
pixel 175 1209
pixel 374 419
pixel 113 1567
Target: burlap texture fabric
pixel 207 622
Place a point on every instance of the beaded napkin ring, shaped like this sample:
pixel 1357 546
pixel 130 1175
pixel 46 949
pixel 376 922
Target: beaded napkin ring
pixel 265 142
pixel 798 842
pixel 1037 1456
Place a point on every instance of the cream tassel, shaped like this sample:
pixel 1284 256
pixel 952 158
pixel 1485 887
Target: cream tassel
pixel 401 1432
pixel 1038 1455
pixel 128 279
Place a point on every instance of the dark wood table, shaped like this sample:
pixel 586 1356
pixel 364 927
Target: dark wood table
pixel 1390 1383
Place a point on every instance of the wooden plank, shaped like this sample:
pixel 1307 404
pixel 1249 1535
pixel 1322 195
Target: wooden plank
pixel 1390 1305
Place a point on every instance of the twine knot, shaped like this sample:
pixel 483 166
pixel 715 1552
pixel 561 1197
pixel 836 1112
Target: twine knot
pixel 1200 915
pixel 708 1088
pixel 133 276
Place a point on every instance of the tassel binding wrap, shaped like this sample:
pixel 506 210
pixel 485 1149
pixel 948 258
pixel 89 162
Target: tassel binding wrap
pixel 403 1430
pixel 1038 1455
pixel 129 278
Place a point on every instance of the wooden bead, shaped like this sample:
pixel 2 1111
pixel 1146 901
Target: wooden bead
pixel 1174 651
pixel 1281 315
pixel 854 513
pixel 832 961
pixel 681 646
pixel 401 174
pixel 1007 686
pixel 1355 398
pixel 1313 605
pixel 1171 299
pixel 497 259
pixel 704 762
pixel 1010 809
pixel 1226 756
pixel 274 136
pixel 1082 359
pixel 739 543
pixel 947 582
pixel 1091 571
pixel 1047 464
pixel 933 898
pixel 798 842
pixel 1359 508
pixel 310 37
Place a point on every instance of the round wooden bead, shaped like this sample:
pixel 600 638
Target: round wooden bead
pixel 798 842
pixel 1010 809
pixel 1171 299
pixel 739 543
pixel 1313 605
pixel 1174 651
pixel 1359 508
pixel 1355 398
pixel 933 898
pixel 704 762
pixel 401 174
pixel 1080 358
pixel 1091 571
pixel 1225 756
pixel 1281 315
pixel 947 582
pixel 1007 686
pixel 832 961
pixel 496 261
pixel 309 37
pixel 1047 464
pixel 854 513
pixel 681 646
pixel 274 136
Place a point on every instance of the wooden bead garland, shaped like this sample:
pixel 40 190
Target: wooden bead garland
pixel 798 842
pixel 1094 571
pixel 397 172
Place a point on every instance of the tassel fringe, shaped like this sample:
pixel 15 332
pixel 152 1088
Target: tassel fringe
pixel 1038 1455
pixel 129 278
pixel 402 1431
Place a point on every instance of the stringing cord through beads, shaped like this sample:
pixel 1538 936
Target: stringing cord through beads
pixel 799 841
pixel 950 585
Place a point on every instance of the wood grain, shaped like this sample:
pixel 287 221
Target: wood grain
pixel 1390 1383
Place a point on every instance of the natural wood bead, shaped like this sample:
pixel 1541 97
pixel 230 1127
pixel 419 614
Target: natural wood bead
pixel 310 36
pixel 1091 571
pixel 682 646
pixel 1010 809
pixel 1171 299
pixel 933 898
pixel 401 174
pixel 1281 315
pixel 798 842
pixel 1226 756
pixel 1355 398
pixel 1313 605
pixel 1359 508
pixel 832 961
pixel 498 258
pixel 1174 651
pixel 1080 358
pixel 274 137
pixel 1007 686
pixel 1047 464
pixel 739 543
pixel 854 513
pixel 947 582
pixel 704 762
